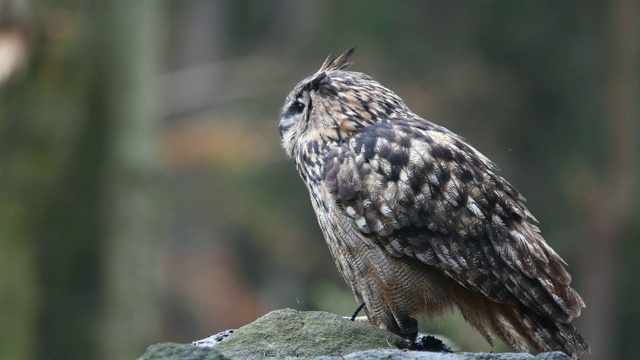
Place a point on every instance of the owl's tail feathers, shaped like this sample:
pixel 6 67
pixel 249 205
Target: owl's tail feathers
pixel 544 334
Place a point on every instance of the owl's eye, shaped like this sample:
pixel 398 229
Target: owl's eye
pixel 297 107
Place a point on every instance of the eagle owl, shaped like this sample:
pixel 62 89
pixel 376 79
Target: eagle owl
pixel 418 221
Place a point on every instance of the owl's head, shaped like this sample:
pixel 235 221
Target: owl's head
pixel 333 104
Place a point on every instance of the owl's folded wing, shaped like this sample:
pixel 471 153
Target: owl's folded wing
pixel 420 191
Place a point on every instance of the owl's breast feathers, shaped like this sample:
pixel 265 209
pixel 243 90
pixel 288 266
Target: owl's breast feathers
pixel 420 191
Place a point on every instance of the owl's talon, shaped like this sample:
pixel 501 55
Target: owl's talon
pixel 429 343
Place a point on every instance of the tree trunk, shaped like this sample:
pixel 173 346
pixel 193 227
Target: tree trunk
pixel 78 164
pixel 133 34
pixel 610 213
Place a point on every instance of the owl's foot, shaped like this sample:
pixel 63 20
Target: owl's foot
pixel 419 342
pixel 429 343
pixel 408 327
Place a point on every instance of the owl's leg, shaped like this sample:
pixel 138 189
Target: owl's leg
pixel 355 313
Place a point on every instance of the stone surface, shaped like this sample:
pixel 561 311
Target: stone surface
pixel 169 351
pixel 291 334
pixel 420 355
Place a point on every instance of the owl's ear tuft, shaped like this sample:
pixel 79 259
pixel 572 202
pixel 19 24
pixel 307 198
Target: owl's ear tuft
pixel 337 63
pixel 322 83
pixel 318 82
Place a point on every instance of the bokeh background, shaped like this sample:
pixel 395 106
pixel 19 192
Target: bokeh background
pixel 144 196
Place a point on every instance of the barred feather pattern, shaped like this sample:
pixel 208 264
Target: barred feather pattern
pixel 420 222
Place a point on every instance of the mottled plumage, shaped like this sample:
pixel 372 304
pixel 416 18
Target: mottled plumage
pixel 418 221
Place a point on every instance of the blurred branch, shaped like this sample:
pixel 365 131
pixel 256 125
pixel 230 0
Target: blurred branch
pixel 205 87
pixel 202 86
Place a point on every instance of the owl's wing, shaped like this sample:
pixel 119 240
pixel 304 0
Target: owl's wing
pixel 421 191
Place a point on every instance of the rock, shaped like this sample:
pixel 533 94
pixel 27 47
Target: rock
pixel 169 351
pixel 421 355
pixel 214 339
pixel 291 334
pixel 296 334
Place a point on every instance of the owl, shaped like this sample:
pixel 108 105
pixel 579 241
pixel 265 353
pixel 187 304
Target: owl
pixel 419 222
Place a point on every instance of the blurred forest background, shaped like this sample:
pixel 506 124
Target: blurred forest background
pixel 144 196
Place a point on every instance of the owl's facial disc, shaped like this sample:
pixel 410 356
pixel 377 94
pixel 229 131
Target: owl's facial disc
pixel 295 112
pixel 297 109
